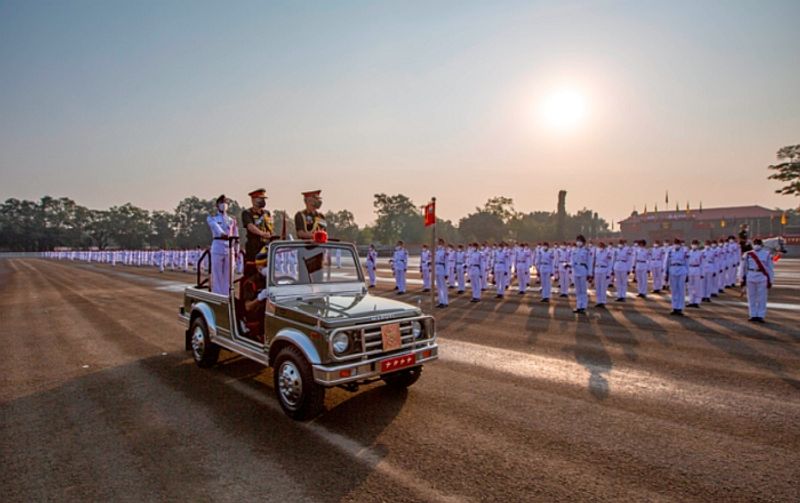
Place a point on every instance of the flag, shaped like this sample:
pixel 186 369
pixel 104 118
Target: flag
pixel 666 199
pixel 783 218
pixel 430 214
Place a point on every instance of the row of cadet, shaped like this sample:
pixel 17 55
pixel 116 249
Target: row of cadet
pixel 707 270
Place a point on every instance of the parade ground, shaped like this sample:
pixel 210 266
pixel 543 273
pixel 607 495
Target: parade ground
pixel 528 402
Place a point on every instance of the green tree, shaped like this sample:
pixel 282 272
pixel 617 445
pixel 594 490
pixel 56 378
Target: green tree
pixel 130 226
pixel 342 225
pixel 500 206
pixel 787 171
pixel 162 230
pixel 482 226
pixel 398 218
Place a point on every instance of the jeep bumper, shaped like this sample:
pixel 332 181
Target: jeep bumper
pixel 362 370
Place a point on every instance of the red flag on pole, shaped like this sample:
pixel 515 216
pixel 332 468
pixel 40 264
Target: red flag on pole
pixel 430 214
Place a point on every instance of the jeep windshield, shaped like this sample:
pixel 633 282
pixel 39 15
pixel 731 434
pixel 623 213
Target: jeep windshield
pixel 309 263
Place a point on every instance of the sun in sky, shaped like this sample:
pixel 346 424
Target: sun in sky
pixel 563 110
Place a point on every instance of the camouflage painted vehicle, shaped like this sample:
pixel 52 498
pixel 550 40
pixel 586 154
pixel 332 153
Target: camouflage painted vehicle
pixel 321 328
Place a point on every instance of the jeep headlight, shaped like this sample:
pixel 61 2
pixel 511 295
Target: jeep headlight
pixel 416 329
pixel 340 343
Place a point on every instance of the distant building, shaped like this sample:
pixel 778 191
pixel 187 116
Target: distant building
pixel 708 223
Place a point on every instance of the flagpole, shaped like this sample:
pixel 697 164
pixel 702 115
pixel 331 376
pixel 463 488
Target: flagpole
pixel 433 256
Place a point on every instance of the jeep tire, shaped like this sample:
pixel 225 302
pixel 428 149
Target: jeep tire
pixel 402 379
pixel 301 398
pixel 205 352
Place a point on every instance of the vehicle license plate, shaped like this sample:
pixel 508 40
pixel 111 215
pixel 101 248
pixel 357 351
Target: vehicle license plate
pixel 398 362
pixel 390 334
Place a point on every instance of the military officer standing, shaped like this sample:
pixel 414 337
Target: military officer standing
pixel 656 266
pixel 545 260
pixel 257 221
pixel 310 220
pixel 425 268
pixel 676 263
pixel 440 265
pixel 501 269
pixel 642 267
pixel 757 274
pixel 696 287
pixel 582 265
pixel 372 263
pixel 400 264
pixel 622 267
pixel 223 229
pixel 461 260
pixel 474 270
pixel 603 266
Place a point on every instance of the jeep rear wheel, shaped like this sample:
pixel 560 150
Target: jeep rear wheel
pixel 205 352
pixel 403 378
pixel 300 397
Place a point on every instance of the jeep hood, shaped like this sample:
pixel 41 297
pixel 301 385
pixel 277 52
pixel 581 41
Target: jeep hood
pixel 343 309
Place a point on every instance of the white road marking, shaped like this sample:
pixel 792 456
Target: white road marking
pixel 615 380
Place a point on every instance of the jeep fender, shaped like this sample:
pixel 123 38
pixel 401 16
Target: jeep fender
pixel 201 309
pixel 299 340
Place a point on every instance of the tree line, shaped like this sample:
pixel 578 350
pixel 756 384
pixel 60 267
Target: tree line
pixel 62 223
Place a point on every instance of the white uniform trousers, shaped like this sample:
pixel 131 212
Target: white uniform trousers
pixel 641 280
pixel 426 277
pixel 677 289
pixel 400 279
pixel 601 286
pixel 441 287
pixel 547 281
pixel 581 291
pixel 621 283
pixel 475 281
pixel 658 277
pixel 563 280
pixel 709 285
pixel 695 289
pixel 523 277
pixel 501 279
pixel 371 273
pixel 462 281
pixel 757 298
pixel 220 273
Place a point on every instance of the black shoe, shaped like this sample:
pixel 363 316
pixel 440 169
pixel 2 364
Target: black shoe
pixel 714 295
pixel 706 299
pixel 579 311
pixel 760 320
pixel 459 292
pixel 694 305
pixel 475 300
pixel 520 293
pixel 400 293
pixel 600 306
pixel 372 286
pixel 498 296
pixel 621 299
pixel 752 320
pixel 546 301
pixel 426 290
pixel 564 295
pixel 676 312
pixel 439 306
pixel 657 291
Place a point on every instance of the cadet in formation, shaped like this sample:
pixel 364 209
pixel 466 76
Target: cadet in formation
pixel 440 269
pixel 400 265
pixel 756 274
pixel 582 266
pixel 372 263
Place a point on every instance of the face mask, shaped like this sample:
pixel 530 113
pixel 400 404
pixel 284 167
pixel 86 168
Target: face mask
pixel 694 247
pixel 677 247
pixel 757 247
pixel 578 243
pixel 260 203
pixel 317 204
pixel 223 207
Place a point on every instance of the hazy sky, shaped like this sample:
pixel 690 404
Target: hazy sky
pixel 108 102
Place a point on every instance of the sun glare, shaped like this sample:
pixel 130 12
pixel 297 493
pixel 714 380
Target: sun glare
pixel 563 110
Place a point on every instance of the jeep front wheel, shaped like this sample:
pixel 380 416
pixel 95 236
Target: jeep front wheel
pixel 402 379
pixel 300 397
pixel 205 352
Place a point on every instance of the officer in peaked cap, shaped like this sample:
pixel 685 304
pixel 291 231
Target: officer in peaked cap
pixel 310 220
pixel 257 221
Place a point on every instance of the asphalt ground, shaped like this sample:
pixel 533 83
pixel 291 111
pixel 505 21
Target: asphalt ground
pixel 99 402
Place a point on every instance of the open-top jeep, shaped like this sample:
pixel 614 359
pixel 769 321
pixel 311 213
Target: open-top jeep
pixel 321 327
